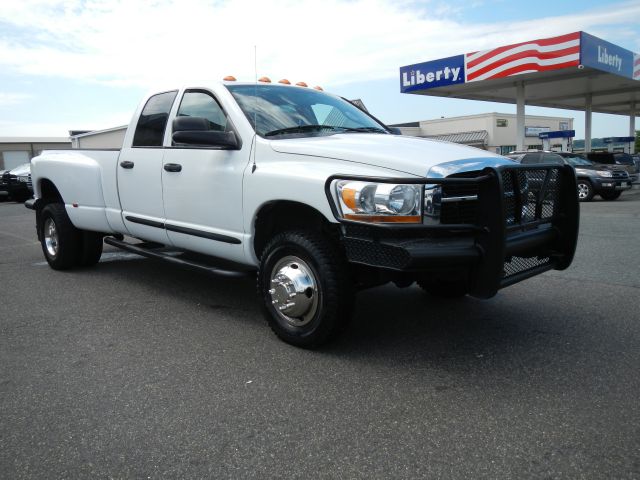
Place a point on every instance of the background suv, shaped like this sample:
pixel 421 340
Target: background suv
pixel 17 183
pixel 618 160
pixel 593 179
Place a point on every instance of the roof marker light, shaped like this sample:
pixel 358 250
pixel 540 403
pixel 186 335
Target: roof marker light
pixel 229 78
pixel 318 87
pixel 302 84
pixel 285 81
pixel 264 80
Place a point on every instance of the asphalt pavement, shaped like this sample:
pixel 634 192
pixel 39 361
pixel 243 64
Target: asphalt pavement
pixel 138 369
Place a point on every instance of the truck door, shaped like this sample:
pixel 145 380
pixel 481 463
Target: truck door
pixel 202 185
pixel 140 171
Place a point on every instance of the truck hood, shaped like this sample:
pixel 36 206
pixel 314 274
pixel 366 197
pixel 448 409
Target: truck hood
pixel 22 170
pixel 412 155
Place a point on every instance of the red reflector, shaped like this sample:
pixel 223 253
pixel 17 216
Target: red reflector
pixel 75 205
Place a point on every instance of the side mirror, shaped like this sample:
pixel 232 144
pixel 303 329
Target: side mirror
pixel 195 131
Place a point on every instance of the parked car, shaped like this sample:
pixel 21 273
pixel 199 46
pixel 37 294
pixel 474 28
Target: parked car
pixel 17 183
pixel 4 194
pixel 593 179
pixel 636 160
pixel 616 160
pixel 317 196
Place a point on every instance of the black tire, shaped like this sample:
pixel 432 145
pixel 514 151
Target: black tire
pixel 62 245
pixel 610 195
pixel 328 305
pixel 91 248
pixel 444 288
pixel 585 190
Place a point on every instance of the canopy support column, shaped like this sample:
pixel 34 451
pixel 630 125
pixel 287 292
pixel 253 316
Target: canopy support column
pixel 520 116
pixel 587 122
pixel 632 126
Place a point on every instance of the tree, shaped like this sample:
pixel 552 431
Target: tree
pixel 637 141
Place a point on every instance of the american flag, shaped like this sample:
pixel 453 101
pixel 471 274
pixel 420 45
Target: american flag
pixel 535 56
pixel 636 67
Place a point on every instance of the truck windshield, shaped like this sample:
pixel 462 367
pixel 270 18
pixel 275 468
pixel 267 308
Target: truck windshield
pixel 623 159
pixel 282 111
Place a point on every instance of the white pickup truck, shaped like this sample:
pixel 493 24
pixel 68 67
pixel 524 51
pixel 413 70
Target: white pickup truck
pixel 318 196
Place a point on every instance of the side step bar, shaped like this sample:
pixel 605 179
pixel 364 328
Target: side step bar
pixel 145 252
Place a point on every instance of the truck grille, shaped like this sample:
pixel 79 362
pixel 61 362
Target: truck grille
pixel 459 203
pixel 515 265
pixel 531 198
pixel 530 195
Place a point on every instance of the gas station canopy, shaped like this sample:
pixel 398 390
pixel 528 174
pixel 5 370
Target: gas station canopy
pixel 576 71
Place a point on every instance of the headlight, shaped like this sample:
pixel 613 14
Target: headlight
pixel 604 173
pixel 379 202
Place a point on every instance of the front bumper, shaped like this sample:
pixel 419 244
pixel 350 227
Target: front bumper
pixel 13 185
pixel 611 184
pixel 523 222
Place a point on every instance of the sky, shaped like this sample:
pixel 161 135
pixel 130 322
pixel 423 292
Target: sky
pixel 85 64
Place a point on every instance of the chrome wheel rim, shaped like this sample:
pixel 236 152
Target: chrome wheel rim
pixel 294 291
pixel 583 190
pixel 50 237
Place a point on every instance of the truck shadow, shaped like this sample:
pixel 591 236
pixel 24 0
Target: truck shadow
pixel 184 285
pixel 407 322
pixel 390 325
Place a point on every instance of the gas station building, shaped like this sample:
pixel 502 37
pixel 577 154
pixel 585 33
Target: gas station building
pixel 490 131
pixel 576 71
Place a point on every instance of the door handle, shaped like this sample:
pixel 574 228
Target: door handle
pixel 173 167
pixel 126 164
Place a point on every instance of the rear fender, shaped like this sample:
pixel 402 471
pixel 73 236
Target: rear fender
pixel 78 180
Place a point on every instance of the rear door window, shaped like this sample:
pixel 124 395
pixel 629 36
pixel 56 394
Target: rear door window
pixel 153 120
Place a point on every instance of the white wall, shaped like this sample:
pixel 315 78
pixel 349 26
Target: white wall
pixel 108 139
pixel 498 136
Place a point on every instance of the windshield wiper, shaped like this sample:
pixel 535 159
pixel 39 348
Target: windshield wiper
pixel 366 130
pixel 301 129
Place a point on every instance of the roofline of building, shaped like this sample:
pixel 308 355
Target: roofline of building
pixel 477 115
pixel 496 114
pixel 96 132
pixel 34 140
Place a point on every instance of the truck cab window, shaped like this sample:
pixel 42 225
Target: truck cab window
pixel 200 104
pixel 153 120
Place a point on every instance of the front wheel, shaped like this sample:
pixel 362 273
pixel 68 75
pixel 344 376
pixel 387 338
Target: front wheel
pixel 610 195
pixel 305 287
pixel 585 190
